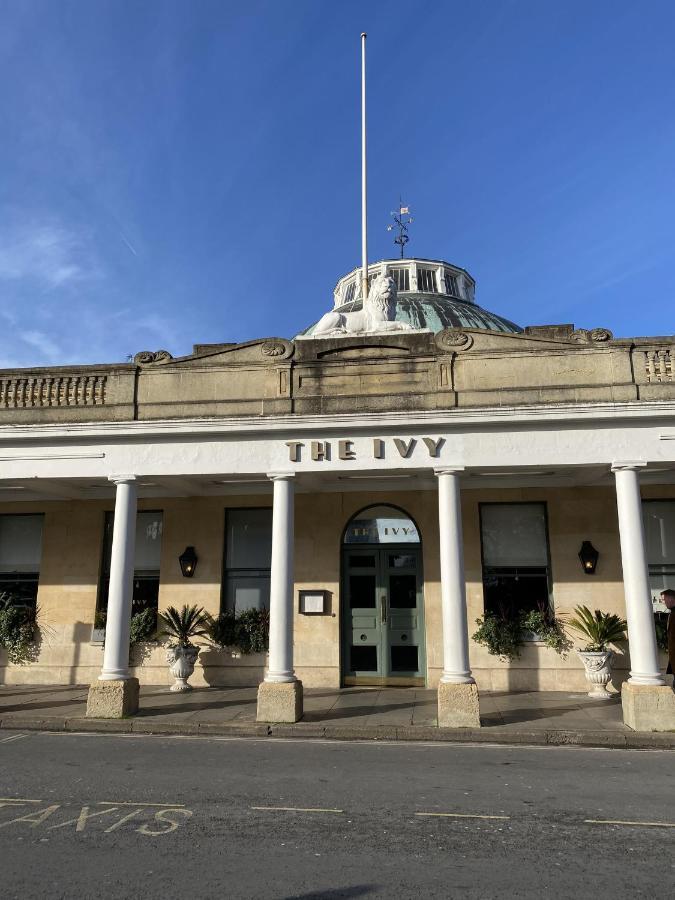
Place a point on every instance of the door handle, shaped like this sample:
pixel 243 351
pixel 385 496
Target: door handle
pixel 383 607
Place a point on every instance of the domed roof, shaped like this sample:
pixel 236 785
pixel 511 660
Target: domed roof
pixel 431 295
pixel 436 312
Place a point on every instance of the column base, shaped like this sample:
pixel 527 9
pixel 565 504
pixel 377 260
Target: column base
pixel 458 706
pixel 648 707
pixel 279 702
pixel 112 699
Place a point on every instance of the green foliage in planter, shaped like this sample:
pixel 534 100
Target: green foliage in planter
pixel 500 635
pixel 599 628
pixel 183 624
pixel 17 630
pixel 661 627
pixel 547 629
pixel 247 632
pixel 143 627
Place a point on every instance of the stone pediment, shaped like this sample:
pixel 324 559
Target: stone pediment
pixel 536 338
pixel 262 351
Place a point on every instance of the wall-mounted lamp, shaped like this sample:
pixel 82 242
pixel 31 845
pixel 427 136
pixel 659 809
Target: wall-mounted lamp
pixel 188 562
pixel 589 557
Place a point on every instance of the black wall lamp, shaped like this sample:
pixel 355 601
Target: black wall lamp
pixel 188 562
pixel 589 557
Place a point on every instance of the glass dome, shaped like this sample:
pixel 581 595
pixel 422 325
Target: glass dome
pixel 431 294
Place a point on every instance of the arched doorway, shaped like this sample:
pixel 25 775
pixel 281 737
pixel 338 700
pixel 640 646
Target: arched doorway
pixel 382 599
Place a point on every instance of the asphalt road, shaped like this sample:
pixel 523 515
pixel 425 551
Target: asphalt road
pixel 145 816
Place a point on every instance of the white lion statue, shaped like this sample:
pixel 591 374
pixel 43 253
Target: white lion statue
pixel 375 316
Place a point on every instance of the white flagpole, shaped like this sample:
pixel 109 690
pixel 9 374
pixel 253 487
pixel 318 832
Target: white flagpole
pixel 364 208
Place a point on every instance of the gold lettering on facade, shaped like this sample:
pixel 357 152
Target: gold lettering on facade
pixel 403 447
pixel 433 446
pixel 320 450
pixel 346 450
pixel 294 450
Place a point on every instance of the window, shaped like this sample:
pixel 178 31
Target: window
pixel 401 278
pixel 451 284
pixel 516 572
pixel 350 291
pixel 147 553
pixel 248 556
pixel 426 281
pixel 468 289
pixel 20 552
pixel 659 519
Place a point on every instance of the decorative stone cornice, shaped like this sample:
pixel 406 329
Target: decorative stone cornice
pixel 149 357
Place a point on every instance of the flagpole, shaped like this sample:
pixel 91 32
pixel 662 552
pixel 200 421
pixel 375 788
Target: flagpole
pixel 364 208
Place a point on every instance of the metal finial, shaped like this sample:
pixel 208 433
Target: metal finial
pixel 401 224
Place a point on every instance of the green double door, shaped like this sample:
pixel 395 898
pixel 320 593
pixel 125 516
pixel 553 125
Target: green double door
pixel 383 615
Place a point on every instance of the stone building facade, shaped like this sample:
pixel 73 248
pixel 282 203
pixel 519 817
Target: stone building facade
pixel 380 487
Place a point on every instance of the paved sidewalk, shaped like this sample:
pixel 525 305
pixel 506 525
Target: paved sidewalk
pixel 544 717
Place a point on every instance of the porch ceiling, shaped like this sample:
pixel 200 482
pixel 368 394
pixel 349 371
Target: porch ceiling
pixel 40 489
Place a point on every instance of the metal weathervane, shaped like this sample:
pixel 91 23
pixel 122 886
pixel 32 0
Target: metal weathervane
pixel 402 219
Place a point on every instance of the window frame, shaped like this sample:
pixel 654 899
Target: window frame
pixel 225 569
pixel 26 577
pixel 665 569
pixel 549 568
pixel 104 578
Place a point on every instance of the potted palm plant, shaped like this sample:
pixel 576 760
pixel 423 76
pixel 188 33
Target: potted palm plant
pixel 180 626
pixel 600 629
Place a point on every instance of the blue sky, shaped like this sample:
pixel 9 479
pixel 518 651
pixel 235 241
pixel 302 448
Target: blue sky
pixel 177 172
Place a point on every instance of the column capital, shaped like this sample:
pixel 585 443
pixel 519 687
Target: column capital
pixel 280 476
pixel 448 470
pixel 630 465
pixel 122 479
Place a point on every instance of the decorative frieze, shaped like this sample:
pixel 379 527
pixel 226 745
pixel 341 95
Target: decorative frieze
pixel 52 390
pixel 659 365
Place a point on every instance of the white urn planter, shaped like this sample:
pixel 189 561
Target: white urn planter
pixel 181 665
pixel 598 666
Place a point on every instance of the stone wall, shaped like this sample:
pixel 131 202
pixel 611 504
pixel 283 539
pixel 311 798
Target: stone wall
pixel 72 543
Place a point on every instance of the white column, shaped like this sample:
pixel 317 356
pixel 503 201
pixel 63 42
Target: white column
pixel 118 619
pixel 639 610
pixel 281 582
pixel 453 590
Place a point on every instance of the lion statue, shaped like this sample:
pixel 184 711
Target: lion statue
pixel 375 316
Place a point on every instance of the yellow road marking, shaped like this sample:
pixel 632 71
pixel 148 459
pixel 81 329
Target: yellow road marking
pixel 459 815
pixel 622 822
pixel 13 737
pixel 296 809
pixel 18 800
pixel 129 803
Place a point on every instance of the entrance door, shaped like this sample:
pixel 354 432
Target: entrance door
pixel 383 632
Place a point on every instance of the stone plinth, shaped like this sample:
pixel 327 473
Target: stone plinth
pixel 458 706
pixel 279 702
pixel 648 707
pixel 113 699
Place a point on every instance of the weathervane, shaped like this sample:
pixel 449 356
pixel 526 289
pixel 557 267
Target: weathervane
pixel 402 224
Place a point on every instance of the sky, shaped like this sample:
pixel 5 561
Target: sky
pixel 177 172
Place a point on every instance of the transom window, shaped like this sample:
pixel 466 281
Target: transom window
pixel 381 525
pixel 147 554
pixel 659 520
pixel 426 281
pixel 401 279
pixel 516 570
pixel 20 553
pixel 248 558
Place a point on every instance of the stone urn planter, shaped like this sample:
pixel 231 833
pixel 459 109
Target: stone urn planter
pixel 598 666
pixel 181 665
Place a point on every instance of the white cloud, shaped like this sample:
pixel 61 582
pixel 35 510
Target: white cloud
pixel 46 252
pixel 49 349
